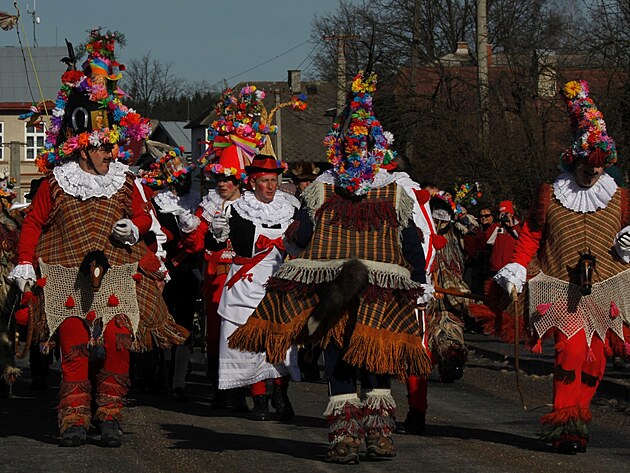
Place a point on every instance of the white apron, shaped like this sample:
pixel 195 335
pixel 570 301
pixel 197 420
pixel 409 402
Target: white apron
pixel 237 368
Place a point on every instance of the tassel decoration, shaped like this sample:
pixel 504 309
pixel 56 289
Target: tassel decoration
pixel 538 347
pixel 21 316
pixel 590 356
pixel 41 282
pixel 137 277
pixel 614 310
pixel 543 308
pixel 113 301
pixel 70 304
pixel 91 316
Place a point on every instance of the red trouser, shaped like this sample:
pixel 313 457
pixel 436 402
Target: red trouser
pixel 417 393
pixel 112 381
pixel 577 374
pixel 212 290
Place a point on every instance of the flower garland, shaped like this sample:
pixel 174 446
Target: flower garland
pixel 163 173
pixel 466 193
pixel 592 140
pixel 127 124
pixel 347 150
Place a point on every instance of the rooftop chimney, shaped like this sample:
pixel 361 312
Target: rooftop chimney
pixel 462 48
pixel 295 85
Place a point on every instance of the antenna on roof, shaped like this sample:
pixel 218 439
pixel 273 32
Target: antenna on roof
pixel 36 20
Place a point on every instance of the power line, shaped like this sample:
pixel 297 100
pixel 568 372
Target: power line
pixel 264 62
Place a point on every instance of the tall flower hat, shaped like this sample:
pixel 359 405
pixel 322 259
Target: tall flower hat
pixel 356 145
pixel 89 110
pixel 168 169
pixel 591 140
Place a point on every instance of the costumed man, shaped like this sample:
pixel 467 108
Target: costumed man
pixel 227 168
pixel 352 289
pixel 172 175
pixel 415 422
pixel 255 224
pixel 9 234
pixel 93 282
pixel 579 221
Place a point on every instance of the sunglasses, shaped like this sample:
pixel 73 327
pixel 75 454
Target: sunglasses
pixel 485 215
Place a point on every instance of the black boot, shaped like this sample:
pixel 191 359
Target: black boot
pixel 415 423
pixel 111 435
pixel 261 408
pixel 281 403
pixel 238 401
pixel 73 437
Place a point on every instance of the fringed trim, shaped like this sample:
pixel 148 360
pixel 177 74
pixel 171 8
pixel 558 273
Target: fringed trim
pixel 589 380
pixel 109 413
pixel 123 341
pixel 404 206
pixel 261 336
pixel 358 213
pixel 562 375
pixel 110 395
pixel 381 351
pixel 115 384
pixel 378 412
pixel 74 404
pixel 166 336
pixel 383 275
pixel 76 351
pixel 314 198
pixel 569 430
pixel 566 416
pixel 69 416
pixel 344 416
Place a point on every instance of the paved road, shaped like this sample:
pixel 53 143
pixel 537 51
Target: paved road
pixel 475 425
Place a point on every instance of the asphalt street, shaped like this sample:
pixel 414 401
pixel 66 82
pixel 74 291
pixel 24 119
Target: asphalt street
pixel 474 425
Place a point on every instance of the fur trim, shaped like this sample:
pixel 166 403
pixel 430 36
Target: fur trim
pixel 344 416
pixel 378 412
pixel 404 206
pixel 314 198
pixel 571 428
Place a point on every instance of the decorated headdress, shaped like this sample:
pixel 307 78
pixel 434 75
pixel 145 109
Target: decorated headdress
pixel 356 145
pixel 7 183
pixel 168 169
pixel 245 125
pixel 388 163
pixel 587 122
pixel 89 109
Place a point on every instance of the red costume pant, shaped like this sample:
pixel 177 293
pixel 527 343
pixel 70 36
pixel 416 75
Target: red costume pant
pixel 112 382
pixel 417 393
pixel 578 371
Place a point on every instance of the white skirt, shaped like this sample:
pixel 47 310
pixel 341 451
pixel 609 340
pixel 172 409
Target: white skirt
pixel 239 368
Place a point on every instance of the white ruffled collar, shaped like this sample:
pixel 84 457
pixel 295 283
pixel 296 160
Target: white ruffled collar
pixel 280 210
pixel 213 203
pixel 169 203
pixel 581 199
pixel 83 185
pixel 382 178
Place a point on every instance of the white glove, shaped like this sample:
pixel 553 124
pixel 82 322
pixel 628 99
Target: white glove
pixel 187 222
pixel 23 275
pixel 126 232
pixel 220 227
pixel 624 241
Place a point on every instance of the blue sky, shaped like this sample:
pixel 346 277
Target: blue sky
pixel 207 40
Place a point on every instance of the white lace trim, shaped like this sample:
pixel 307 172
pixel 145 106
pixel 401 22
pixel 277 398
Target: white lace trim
pixel 211 204
pixel 382 178
pixel 278 211
pixel 83 185
pixel 581 199
pixel 169 203
pixel 23 271
pixel 514 273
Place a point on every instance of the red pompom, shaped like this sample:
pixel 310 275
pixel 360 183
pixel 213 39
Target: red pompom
pixel 422 196
pixel 91 316
pixel 113 301
pixel 614 310
pixel 70 304
pixel 137 277
pixel 27 298
pixel 21 316
pixel 439 241
pixel 41 282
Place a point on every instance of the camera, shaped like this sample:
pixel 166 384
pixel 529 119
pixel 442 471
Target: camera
pixel 504 218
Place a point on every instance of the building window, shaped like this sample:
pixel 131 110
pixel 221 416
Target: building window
pixel 34 141
pixel 1 141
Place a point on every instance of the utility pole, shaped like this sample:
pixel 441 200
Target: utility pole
pixel 415 43
pixel 341 66
pixel 482 70
pixel 36 20
pixel 278 125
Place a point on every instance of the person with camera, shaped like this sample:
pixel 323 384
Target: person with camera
pixel 502 237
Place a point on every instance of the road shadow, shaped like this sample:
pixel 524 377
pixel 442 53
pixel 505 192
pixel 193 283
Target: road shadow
pixel 188 437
